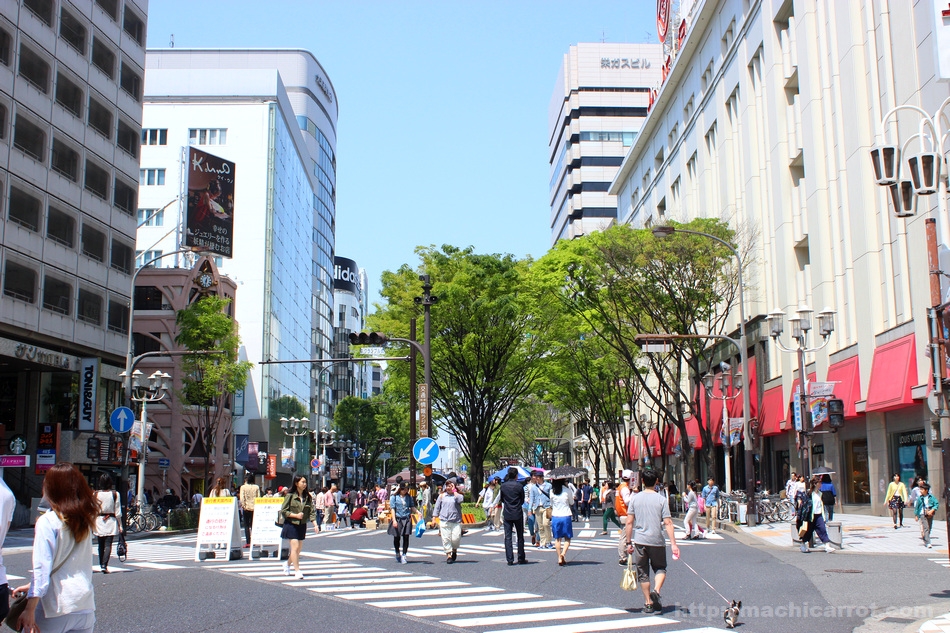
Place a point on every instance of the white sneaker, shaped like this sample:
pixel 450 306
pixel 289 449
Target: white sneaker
pixel 403 560
pixel 829 548
pixel 299 575
pixel 929 546
pixel 286 568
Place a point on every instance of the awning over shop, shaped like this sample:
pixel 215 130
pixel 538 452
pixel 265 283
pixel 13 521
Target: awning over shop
pixel 692 432
pixel 790 410
pixel 735 405
pixel 714 413
pixel 847 374
pixel 772 412
pixel 671 437
pixel 893 374
pixel 653 446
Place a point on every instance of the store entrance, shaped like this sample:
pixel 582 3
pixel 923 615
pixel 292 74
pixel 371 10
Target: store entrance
pixel 856 477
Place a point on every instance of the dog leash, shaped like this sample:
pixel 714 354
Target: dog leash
pixel 704 580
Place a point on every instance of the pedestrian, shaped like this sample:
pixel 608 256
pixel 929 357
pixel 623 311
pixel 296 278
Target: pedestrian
pixel 490 498
pixel 403 506
pixel 915 491
pixel 62 549
pixel 648 517
pixel 587 492
pixel 575 501
pixel 829 496
pixel 790 486
pixel 220 489
pixel 924 510
pixel 621 503
pixel 512 495
pixel 542 510
pixel 342 512
pixel 896 499
pixel 811 518
pixel 108 522
pixel 248 495
pixel 691 523
pixel 609 513
pixel 710 494
pixel 196 499
pixel 448 509
pixel 532 498
pixel 320 506
pixel 329 503
pixel 424 502
pixel 296 511
pixel 562 528
pixel 358 517
pixel 7 506
pixel 595 496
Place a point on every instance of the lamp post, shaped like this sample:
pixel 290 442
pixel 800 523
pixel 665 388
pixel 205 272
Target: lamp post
pixel 156 390
pixel 387 442
pixel 727 382
pixel 801 325
pixel 743 345
pixel 343 446
pixel 293 427
pixel 325 437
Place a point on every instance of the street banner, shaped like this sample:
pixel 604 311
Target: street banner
pixel 797 409
pixel 819 393
pixel 218 527
pixel 733 435
pixel 271 467
pixel 264 532
pixel 287 458
pixel 135 436
pixel 209 219
pixel 253 461
pixel 88 389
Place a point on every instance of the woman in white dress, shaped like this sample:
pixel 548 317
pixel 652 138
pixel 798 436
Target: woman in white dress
pixel 109 521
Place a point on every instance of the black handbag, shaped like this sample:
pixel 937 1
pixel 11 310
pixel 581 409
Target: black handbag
pixel 16 610
pixel 122 550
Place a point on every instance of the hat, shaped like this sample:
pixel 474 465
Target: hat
pixel 626 474
pixel 282 488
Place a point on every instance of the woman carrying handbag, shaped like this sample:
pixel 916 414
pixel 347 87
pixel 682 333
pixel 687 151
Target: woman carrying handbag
pixel 109 521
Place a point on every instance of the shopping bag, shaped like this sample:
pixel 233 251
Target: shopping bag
pixel 629 580
pixel 420 528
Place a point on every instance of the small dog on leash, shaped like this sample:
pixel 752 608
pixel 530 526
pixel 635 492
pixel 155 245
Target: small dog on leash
pixel 731 616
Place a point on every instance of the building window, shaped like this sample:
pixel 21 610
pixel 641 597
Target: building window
pixel 131 82
pixel 118 317
pixel 103 58
pixel 124 196
pixel 3 121
pixel 97 180
pixel 6 45
pixel 90 307
pixel 111 7
pixel 155 137
pixel 65 160
pixel 134 26
pixel 127 139
pixel 100 118
pixel 93 243
pixel 72 31
pixel 57 295
pixel 151 217
pixel 34 69
pixel 24 209
pixel 29 138
pixel 43 9
pixel 144 258
pixel 206 136
pixel 121 257
pixel 151 177
pixel 68 94
pixel 61 227
pixel 19 282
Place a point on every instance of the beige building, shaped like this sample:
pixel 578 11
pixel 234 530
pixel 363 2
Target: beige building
pixel 766 121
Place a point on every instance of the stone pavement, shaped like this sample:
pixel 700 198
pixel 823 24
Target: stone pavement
pixel 867 535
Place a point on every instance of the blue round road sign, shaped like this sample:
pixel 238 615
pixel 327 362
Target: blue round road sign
pixel 315 462
pixel 122 419
pixel 425 450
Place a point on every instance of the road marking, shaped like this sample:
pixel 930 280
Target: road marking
pixel 533 617
pixel 360 581
pixel 585 627
pixel 360 553
pixel 382 587
pixel 410 554
pixel 481 608
pixel 431 602
pixel 324 556
pixel 148 566
pixel 414 594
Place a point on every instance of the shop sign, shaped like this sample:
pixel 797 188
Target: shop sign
pixel 45 448
pixel 37 355
pixel 88 390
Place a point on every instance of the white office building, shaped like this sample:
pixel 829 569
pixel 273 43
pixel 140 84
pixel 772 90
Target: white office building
pixel 273 113
pixel 766 121
pixel 599 102
pixel 349 292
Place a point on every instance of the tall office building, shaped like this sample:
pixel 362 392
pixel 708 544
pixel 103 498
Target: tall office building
pixel 273 114
pixel 349 379
pixel 599 103
pixel 70 111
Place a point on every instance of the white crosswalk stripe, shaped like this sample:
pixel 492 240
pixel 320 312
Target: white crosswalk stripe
pixel 153 553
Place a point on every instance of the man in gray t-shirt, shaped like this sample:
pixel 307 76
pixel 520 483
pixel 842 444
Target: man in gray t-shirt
pixel 648 515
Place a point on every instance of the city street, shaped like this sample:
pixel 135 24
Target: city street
pixel 352 581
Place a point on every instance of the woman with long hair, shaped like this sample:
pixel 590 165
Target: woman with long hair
pixel 220 488
pixel 109 521
pixel 402 505
pixel 562 530
pixel 62 549
pixel 692 512
pixel 896 499
pixel 296 510
pixel 812 513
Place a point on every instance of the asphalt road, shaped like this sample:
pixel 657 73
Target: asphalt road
pixel 353 583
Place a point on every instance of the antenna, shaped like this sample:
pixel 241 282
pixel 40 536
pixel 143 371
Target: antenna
pixel 171 41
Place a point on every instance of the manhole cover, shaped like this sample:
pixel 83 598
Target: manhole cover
pixel 845 571
pixel 897 620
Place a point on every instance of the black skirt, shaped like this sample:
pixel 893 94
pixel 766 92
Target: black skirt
pixel 401 527
pixel 294 532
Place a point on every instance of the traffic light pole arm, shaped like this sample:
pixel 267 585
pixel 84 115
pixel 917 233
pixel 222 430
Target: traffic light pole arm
pixel 355 359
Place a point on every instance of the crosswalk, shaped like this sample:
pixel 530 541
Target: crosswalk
pixel 484 608
pixel 148 554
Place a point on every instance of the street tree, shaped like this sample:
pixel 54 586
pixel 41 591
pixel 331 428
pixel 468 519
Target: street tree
pixel 209 380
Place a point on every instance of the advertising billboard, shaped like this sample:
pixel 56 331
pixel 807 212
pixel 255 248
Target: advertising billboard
pixel 209 219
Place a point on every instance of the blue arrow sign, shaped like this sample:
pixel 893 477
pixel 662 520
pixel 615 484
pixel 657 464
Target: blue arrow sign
pixel 122 419
pixel 164 463
pixel 425 450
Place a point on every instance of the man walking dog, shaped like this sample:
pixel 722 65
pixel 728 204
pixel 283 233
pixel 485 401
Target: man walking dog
pixel 648 515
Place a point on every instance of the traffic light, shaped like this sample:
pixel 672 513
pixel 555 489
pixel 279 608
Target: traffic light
pixel 368 338
pixel 835 414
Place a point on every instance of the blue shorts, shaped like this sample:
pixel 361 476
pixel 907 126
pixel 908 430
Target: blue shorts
pixel 561 527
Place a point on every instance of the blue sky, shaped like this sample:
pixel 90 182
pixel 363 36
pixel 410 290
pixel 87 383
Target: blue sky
pixel 442 132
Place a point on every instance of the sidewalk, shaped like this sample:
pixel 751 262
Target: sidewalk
pixel 866 535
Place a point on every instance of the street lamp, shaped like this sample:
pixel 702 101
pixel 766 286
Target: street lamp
pixel 726 382
pixel 325 437
pixel 293 427
pixel 743 345
pixel 385 456
pixel 156 390
pixel 802 324
pixel 344 446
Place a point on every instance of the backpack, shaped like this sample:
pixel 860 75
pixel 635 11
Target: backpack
pixel 620 506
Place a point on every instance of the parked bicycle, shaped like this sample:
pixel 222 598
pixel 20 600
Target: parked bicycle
pixel 136 521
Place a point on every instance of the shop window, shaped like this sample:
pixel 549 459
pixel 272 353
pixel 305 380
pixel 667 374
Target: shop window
pixel 29 138
pixel 97 180
pixel 19 282
pixel 24 209
pixel 857 479
pixel 34 69
pixel 72 31
pixel 100 118
pixel 57 296
pixel 911 455
pixel 61 227
pixel 69 94
pixel 118 317
pixel 90 307
pixel 65 160
pixel 93 243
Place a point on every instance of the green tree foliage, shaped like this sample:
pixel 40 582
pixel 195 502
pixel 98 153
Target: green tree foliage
pixel 518 438
pixel 485 342
pixel 209 380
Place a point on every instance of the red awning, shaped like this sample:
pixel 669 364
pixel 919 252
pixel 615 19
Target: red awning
pixel 671 437
pixel 772 412
pixel 653 443
pixel 714 414
pixel 893 374
pixel 735 405
pixel 847 374
pixel 692 432
pixel 790 415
